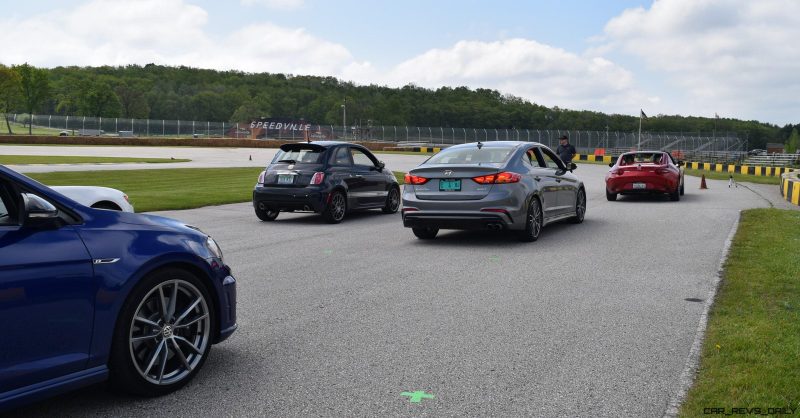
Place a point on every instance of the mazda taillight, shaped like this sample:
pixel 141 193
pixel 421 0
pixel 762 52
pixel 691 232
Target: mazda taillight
pixel 662 171
pixel 616 171
pixel 317 178
pixel 261 177
pixel 412 179
pixel 499 178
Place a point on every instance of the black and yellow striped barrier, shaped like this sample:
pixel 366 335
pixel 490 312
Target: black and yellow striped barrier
pixel 753 170
pixel 790 187
pixel 417 149
pixel 595 158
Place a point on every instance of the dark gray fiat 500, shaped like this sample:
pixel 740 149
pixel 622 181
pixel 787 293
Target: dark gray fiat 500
pixel 326 177
pixel 503 185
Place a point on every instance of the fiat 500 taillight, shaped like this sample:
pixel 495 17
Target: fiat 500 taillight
pixel 317 178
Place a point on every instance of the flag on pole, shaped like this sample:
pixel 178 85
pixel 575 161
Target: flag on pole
pixel 643 116
pixel 716 115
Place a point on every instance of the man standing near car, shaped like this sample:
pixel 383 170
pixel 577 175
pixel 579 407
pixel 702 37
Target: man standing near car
pixel 565 150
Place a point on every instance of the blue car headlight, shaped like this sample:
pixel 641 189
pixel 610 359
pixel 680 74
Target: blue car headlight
pixel 213 247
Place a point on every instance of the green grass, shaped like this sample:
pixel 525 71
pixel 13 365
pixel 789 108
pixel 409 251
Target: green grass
pixel 751 353
pixel 20 129
pixel 167 189
pixel 48 159
pixel 740 178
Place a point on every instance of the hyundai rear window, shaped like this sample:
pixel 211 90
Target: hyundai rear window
pixel 299 155
pixel 472 155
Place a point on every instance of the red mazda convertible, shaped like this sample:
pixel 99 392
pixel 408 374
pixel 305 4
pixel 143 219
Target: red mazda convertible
pixel 645 172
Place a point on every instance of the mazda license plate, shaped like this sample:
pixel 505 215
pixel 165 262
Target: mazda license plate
pixel 450 185
pixel 639 185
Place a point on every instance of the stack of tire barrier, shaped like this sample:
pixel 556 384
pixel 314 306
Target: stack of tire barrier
pixel 790 187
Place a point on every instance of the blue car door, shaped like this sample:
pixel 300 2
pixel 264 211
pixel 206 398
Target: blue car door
pixel 46 298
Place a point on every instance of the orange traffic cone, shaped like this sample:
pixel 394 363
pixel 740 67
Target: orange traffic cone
pixel 703 182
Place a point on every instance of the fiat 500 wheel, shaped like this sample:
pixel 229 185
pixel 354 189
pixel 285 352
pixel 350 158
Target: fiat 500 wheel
pixel 392 201
pixel 267 214
pixel 336 209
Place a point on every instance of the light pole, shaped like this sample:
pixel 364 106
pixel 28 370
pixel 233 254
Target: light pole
pixel 344 118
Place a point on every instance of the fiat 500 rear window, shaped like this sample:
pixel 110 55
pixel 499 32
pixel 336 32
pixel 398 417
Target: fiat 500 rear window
pixel 298 156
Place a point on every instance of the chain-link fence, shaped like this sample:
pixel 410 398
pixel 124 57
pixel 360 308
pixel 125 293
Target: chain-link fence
pixel 403 136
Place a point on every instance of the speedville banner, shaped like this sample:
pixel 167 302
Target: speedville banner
pixel 280 124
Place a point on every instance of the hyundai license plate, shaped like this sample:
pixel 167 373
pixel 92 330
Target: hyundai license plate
pixel 639 186
pixel 285 179
pixel 450 185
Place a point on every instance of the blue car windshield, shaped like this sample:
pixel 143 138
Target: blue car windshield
pixel 299 156
pixel 471 155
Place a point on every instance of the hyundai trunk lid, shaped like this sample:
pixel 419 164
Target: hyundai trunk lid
pixel 453 182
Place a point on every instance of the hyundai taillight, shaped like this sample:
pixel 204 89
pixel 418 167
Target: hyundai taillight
pixel 412 179
pixel 662 171
pixel 261 177
pixel 617 171
pixel 499 178
pixel 317 178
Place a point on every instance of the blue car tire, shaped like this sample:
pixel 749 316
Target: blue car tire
pixel 163 334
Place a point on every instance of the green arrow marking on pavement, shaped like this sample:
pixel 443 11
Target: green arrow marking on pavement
pixel 418 396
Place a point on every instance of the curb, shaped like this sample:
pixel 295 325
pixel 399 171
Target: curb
pixel 689 372
pixel 790 187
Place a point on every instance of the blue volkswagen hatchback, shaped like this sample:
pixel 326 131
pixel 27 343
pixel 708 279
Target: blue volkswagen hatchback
pixel 89 294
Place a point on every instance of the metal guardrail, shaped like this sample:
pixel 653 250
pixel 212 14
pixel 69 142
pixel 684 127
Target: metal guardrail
pixel 584 141
pixel 775 160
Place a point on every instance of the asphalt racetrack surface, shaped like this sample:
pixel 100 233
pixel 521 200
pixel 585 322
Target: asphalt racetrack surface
pixel 341 320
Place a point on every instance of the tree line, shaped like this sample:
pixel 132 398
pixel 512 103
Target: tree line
pixel 183 93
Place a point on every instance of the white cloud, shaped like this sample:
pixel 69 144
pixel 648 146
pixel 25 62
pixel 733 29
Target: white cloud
pixel 526 68
pixel 174 32
pixel 171 32
pixel 738 58
pixel 276 4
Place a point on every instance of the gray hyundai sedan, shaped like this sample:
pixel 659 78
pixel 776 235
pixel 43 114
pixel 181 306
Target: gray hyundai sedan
pixel 503 185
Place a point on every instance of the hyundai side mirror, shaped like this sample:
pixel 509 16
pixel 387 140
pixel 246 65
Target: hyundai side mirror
pixel 572 166
pixel 681 163
pixel 39 213
pixel 611 164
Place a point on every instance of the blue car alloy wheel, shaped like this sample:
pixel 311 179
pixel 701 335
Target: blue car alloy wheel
pixel 88 295
pixel 164 334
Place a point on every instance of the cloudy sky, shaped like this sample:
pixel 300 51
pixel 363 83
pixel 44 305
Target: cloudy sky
pixel 736 58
